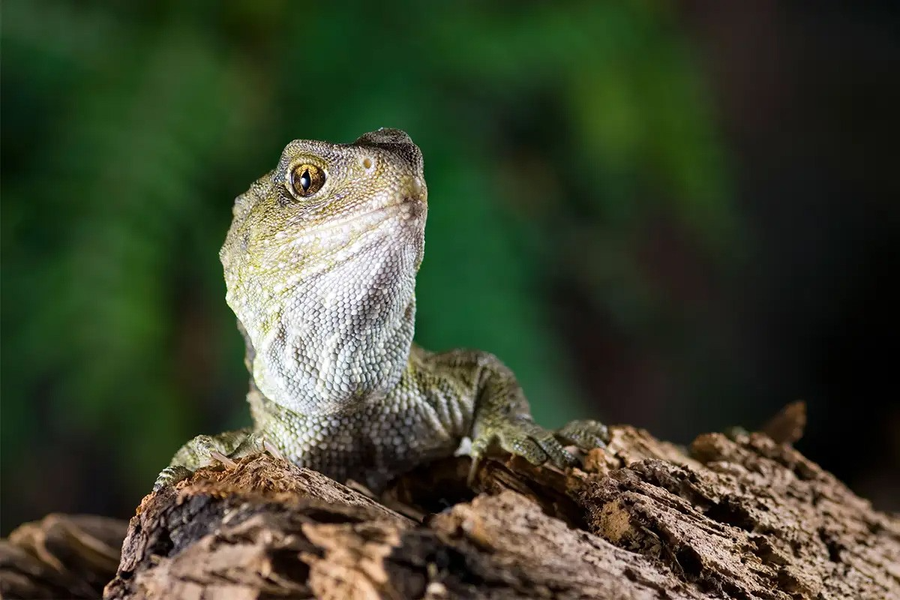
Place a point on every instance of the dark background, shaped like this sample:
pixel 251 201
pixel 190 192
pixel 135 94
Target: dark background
pixel 677 215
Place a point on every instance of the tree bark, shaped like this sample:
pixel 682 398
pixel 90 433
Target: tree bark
pixel 738 516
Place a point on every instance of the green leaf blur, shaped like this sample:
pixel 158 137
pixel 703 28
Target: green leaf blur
pixel 551 138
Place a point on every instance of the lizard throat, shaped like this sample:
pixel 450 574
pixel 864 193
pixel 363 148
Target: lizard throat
pixel 339 337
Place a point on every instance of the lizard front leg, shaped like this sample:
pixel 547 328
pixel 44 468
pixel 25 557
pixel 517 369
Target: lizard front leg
pixel 502 419
pixel 204 450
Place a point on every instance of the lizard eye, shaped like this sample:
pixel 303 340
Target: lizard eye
pixel 306 180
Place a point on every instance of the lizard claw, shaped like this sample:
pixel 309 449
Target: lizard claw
pixel 216 455
pixel 273 450
pixel 473 469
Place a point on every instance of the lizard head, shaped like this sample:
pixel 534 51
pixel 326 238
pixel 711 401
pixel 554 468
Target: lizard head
pixel 320 264
pixel 327 202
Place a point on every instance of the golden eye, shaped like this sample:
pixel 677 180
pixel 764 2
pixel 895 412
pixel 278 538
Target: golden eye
pixel 306 180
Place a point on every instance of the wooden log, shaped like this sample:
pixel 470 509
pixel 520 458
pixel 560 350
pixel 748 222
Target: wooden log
pixel 737 516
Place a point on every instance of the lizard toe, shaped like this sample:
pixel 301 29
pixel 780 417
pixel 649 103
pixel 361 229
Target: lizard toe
pixel 521 444
pixel 585 434
pixel 170 476
pixel 559 456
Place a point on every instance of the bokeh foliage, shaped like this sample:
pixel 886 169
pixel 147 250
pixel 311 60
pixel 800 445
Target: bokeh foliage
pixel 550 137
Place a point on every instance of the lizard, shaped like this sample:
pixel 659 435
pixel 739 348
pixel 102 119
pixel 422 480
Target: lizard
pixel 320 266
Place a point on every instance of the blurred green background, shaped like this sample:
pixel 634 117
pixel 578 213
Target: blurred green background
pixel 680 216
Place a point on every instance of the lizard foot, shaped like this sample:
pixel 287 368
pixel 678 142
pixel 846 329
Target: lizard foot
pixel 523 437
pixel 175 473
pixel 204 450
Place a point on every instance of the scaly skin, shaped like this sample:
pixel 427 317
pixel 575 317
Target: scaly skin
pixel 323 285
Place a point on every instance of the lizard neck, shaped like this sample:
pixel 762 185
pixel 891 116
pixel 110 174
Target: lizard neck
pixel 340 337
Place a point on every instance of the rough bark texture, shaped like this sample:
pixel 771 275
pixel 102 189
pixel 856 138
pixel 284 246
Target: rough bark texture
pixel 734 517
pixel 61 556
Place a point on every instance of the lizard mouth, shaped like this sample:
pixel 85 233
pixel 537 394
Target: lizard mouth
pixel 410 204
pixel 410 207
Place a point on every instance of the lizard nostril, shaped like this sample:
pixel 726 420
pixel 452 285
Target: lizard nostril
pixel 367 163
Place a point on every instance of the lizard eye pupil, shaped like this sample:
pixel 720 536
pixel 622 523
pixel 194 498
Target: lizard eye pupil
pixel 306 180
